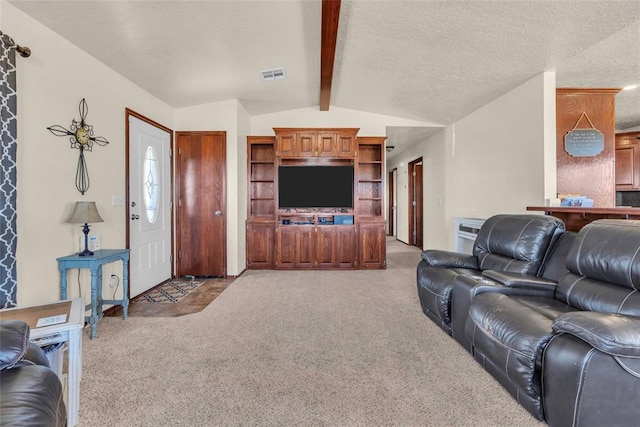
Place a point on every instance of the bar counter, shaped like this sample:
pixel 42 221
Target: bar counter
pixel 577 217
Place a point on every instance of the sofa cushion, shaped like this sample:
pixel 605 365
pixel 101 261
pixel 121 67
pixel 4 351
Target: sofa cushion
pixel 512 332
pixel 588 294
pixel 14 336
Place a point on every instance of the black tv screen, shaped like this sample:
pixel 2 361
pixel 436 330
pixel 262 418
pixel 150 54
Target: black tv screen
pixel 315 186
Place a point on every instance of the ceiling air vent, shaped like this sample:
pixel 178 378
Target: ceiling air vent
pixel 273 74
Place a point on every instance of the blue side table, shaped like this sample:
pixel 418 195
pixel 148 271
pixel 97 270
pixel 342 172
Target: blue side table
pixel 94 263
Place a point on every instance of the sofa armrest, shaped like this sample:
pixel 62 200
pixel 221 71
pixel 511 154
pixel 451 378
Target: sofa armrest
pixel 437 258
pixel 613 334
pixel 14 342
pixel 466 287
pixel 520 280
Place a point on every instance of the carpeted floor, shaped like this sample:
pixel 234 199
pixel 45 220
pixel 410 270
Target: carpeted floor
pixel 293 348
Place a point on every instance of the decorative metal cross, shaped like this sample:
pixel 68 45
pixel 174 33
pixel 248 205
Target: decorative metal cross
pixel 81 137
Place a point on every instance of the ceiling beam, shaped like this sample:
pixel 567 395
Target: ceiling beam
pixel 330 19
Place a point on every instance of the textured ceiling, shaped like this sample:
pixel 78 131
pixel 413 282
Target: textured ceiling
pixel 434 61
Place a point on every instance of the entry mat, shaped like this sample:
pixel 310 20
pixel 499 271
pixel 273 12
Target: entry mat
pixel 171 291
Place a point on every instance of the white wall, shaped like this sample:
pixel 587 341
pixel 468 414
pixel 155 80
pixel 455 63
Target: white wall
pixel 370 124
pixel 498 159
pixel 244 130
pixel 496 164
pixel 549 134
pixel 51 84
pixel 435 197
pixel 223 116
pixel 502 158
pixel 401 162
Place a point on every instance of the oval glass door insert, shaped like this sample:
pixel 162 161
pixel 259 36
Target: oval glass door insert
pixel 151 184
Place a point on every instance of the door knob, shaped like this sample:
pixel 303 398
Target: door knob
pixel 134 216
pixel 217 213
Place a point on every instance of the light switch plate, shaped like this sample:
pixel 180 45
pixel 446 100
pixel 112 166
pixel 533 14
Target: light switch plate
pixel 117 200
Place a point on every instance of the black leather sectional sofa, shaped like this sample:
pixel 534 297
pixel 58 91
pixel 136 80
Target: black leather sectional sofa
pixel 30 392
pixel 563 337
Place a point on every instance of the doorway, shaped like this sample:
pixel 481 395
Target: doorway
pixel 201 211
pixel 149 198
pixel 392 202
pixel 415 203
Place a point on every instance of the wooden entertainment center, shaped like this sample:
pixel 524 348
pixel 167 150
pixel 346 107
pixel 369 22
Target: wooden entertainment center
pixel 315 238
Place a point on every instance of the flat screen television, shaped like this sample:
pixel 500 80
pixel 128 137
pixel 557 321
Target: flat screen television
pixel 315 187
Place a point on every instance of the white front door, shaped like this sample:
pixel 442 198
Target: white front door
pixel 149 206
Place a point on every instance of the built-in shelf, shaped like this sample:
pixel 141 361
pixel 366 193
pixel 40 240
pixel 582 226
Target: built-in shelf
pixel 315 238
pixel 261 156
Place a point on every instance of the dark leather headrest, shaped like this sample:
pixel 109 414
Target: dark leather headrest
pixel 521 237
pixel 608 250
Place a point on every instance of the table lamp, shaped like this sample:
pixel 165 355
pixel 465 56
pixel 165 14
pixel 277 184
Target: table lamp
pixel 84 213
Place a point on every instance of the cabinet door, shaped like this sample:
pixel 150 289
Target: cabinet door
pixel 345 246
pixel 326 144
pixel 306 145
pixel 305 247
pixel 345 146
pixel 372 246
pixel 260 240
pixel 287 145
pixel 285 247
pixel 627 167
pixel 326 246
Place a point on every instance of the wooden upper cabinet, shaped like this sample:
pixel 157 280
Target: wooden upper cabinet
pixel 326 144
pixel 312 142
pixel 345 145
pixel 287 145
pixel 628 161
pixel 306 145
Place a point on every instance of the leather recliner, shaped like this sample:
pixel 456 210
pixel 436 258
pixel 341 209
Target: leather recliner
pixel 30 392
pixel 516 243
pixel 571 358
pixel 465 288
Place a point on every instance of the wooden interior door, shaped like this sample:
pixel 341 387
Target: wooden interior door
pixel 391 204
pixel 201 199
pixel 417 188
pixel 415 203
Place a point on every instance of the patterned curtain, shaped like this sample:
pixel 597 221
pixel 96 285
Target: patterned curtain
pixel 8 186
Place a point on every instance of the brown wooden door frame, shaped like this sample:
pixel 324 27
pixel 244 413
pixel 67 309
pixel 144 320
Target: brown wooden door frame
pixel 419 188
pixel 392 192
pixel 180 221
pixel 415 203
pixel 130 113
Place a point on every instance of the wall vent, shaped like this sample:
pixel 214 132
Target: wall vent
pixel 273 74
